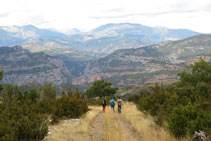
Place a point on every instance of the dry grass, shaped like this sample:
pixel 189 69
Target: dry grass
pixel 69 130
pixel 112 129
pixel 144 125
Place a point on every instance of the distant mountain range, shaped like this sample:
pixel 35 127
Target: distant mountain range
pixel 140 32
pixel 149 64
pixel 90 45
pixel 124 67
pixel 14 35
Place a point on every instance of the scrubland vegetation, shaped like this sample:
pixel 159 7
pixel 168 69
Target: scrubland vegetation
pixel 183 107
pixel 179 109
pixel 26 116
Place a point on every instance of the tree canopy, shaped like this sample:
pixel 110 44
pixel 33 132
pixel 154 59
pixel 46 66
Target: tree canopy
pixel 101 88
pixel 200 72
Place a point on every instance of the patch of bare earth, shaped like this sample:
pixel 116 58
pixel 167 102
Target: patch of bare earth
pixel 128 129
pixel 73 129
pixel 96 128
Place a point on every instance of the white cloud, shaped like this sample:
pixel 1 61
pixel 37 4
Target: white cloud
pixel 88 14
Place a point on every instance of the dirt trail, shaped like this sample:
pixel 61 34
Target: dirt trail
pixel 96 128
pixel 130 125
pixel 128 129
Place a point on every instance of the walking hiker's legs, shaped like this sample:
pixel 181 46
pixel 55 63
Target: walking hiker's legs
pixel 119 108
pixel 104 108
pixel 113 108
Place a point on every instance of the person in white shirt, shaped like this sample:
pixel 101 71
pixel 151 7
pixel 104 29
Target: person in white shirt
pixel 119 103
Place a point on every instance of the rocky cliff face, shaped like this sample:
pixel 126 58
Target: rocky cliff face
pixel 21 67
pixel 130 67
pixel 125 67
pixel 150 64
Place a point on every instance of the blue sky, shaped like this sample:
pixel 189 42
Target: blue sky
pixel 89 14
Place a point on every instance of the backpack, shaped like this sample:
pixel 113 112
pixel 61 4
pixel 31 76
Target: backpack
pixel 119 102
pixel 112 102
pixel 103 103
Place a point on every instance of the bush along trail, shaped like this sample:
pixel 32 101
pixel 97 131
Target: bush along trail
pixel 26 115
pixel 184 108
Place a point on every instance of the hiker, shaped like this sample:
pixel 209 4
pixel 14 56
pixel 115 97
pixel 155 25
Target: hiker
pixel 104 104
pixel 119 103
pixel 112 103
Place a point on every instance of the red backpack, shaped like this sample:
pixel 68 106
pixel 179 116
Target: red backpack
pixel 119 102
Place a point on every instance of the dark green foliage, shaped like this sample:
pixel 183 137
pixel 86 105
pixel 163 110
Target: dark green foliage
pixel 93 101
pixel 70 107
pixel 179 122
pixel 1 77
pixel 134 98
pixel 98 101
pixel 139 92
pixel 19 119
pixel 77 94
pixel 70 92
pixel 48 91
pixel 188 118
pixel 200 72
pixel 186 106
pixel 24 116
pixel 101 88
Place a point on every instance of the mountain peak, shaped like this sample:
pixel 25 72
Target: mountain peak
pixel 29 27
pixel 73 31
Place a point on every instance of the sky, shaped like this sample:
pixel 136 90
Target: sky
pixel 85 15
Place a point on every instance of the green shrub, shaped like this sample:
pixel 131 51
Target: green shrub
pixel 70 107
pixel 186 105
pixel 19 122
pixel 93 101
pixel 23 116
pixel 178 123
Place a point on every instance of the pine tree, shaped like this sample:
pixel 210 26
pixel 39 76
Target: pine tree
pixel 77 94
pixel 70 92
pixel 47 92
pixel 63 93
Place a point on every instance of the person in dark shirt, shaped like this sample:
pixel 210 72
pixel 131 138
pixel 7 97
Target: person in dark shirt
pixel 104 104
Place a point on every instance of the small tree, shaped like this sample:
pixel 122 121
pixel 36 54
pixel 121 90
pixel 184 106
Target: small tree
pixel 70 92
pixel 77 94
pixel 200 72
pixel 63 93
pixel 47 92
pixel 101 88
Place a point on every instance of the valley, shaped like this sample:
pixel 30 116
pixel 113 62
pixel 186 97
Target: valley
pixel 124 54
pixel 105 70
